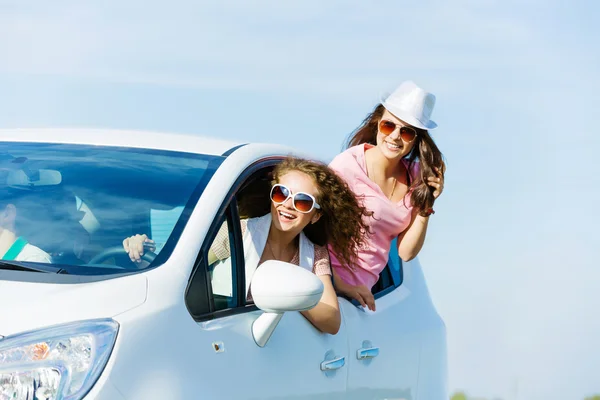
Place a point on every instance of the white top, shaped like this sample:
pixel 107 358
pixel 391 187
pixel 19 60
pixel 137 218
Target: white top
pixel 33 254
pixel 255 240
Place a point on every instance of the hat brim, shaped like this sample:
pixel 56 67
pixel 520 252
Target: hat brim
pixel 406 117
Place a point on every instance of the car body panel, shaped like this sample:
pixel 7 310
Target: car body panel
pixel 287 367
pixel 398 353
pixel 31 305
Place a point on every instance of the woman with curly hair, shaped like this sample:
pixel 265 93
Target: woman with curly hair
pixel 392 162
pixel 307 199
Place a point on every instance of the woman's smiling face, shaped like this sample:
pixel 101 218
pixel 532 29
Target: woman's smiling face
pixel 392 146
pixel 285 217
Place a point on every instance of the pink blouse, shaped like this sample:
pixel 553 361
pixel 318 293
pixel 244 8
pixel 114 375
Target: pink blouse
pixel 389 219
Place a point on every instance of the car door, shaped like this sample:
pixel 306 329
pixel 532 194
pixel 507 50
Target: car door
pixel 298 361
pixel 384 344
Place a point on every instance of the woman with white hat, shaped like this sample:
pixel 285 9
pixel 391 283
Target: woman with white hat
pixel 394 165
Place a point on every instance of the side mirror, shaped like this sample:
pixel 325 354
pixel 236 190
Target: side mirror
pixel 279 287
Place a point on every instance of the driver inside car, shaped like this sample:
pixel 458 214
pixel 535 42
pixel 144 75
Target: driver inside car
pixel 13 203
pixel 32 210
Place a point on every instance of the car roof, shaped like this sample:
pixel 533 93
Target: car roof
pixel 190 143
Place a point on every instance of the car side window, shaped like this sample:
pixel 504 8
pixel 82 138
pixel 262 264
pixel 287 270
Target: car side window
pixel 221 268
pixel 213 286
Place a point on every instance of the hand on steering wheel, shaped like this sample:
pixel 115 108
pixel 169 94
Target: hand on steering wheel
pixel 136 245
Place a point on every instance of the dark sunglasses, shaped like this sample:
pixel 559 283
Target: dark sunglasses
pixel 407 133
pixel 302 202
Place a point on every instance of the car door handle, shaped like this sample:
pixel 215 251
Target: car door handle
pixel 331 365
pixel 366 353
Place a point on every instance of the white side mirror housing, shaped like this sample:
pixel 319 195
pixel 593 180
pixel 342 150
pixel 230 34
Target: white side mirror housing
pixel 278 287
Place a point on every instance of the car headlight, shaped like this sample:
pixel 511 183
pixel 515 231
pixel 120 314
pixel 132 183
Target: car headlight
pixel 57 363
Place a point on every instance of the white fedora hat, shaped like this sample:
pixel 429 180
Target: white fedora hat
pixel 412 105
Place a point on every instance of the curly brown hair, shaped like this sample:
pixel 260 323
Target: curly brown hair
pixel 424 149
pixel 341 224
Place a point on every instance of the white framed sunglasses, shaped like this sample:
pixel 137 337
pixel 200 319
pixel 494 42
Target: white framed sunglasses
pixel 302 202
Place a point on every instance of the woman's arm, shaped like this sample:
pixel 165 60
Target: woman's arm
pixel 326 316
pixel 360 293
pixel 410 242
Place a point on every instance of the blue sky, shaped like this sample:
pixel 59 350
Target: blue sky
pixel 511 253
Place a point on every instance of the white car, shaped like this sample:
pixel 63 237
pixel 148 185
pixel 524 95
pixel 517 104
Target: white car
pixel 94 325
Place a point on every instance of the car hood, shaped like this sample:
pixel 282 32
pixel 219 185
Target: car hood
pixel 31 305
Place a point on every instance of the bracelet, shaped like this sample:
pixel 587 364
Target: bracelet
pixel 427 213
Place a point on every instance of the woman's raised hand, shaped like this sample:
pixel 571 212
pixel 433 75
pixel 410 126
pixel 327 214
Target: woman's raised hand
pixel 436 182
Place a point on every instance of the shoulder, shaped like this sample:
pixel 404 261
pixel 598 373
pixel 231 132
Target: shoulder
pixel 321 252
pixel 348 162
pixel 347 155
pixel 33 254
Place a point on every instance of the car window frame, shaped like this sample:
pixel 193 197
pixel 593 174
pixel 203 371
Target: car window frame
pixel 199 284
pixel 234 235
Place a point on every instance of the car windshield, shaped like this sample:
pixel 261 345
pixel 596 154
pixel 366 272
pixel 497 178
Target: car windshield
pixel 68 208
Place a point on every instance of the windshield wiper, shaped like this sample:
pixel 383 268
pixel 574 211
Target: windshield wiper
pixel 19 266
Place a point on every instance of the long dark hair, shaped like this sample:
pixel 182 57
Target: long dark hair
pixel 424 150
pixel 341 224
